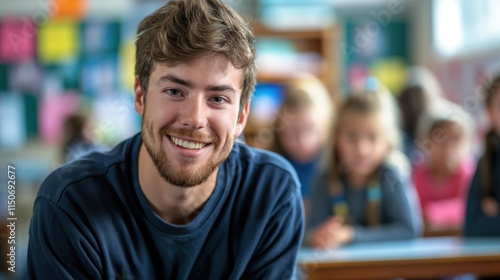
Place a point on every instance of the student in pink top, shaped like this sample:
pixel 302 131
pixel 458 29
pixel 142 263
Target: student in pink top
pixel 443 176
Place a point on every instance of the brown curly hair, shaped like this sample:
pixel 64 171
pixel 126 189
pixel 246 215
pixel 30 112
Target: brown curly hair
pixel 184 30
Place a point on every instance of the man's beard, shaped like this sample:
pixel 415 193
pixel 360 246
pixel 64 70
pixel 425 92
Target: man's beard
pixel 182 177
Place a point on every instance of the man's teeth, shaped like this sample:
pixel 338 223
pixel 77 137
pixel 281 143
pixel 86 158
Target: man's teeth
pixel 187 144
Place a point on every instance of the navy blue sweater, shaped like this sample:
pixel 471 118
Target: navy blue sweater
pixel 92 221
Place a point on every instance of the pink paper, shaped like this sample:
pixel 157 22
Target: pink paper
pixel 53 111
pixel 17 40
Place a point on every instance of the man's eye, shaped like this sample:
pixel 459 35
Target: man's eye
pixel 218 99
pixel 173 92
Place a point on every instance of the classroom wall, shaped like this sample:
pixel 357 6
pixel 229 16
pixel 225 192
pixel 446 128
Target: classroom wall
pixel 461 77
pixel 96 8
pixel 37 157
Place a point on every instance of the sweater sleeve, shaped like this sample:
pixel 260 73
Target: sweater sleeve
pixel 400 211
pixel 476 222
pixel 277 251
pixel 58 247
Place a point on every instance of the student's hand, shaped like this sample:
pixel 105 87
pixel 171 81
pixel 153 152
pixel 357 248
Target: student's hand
pixel 331 234
pixel 344 235
pixel 490 206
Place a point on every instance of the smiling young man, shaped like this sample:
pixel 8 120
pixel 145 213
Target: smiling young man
pixel 180 200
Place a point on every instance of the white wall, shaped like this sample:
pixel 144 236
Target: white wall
pixel 420 33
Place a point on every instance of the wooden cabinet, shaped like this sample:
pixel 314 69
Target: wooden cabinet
pixel 324 42
pixel 315 51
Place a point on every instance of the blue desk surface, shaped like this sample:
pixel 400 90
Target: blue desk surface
pixel 424 248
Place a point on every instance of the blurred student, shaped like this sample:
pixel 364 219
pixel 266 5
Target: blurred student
pixel 412 103
pixel 482 217
pixel 366 194
pixel 443 177
pixel 421 92
pixel 78 140
pixel 302 128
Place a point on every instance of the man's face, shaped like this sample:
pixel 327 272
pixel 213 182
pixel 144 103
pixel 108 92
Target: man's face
pixel 190 118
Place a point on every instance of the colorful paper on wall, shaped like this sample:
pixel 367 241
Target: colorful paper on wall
pixel 68 8
pixel 17 40
pixel 391 72
pixel 100 37
pixel 127 64
pixel 356 75
pixel 58 40
pixel 12 124
pixel 53 111
pixel 99 75
pixel 25 77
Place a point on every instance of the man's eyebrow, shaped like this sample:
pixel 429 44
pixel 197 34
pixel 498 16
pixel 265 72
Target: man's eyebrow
pixel 174 79
pixel 221 88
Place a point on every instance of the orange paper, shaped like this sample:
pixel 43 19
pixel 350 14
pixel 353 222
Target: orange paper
pixel 67 8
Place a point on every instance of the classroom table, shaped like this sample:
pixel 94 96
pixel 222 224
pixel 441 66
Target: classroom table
pixel 423 258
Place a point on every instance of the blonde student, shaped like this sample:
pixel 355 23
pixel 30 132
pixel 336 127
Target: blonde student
pixel 482 217
pixel 365 194
pixel 303 128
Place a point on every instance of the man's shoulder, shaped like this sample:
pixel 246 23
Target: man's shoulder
pixel 92 168
pixel 258 177
pixel 259 159
pixel 261 173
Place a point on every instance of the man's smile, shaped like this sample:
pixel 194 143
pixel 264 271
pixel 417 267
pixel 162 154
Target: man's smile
pixel 192 145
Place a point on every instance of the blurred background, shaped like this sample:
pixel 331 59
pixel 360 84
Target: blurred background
pixel 60 59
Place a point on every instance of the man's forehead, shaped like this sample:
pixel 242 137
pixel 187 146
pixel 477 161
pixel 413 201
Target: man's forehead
pixel 218 61
pixel 203 70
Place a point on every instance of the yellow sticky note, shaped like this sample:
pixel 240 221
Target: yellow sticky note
pixel 127 61
pixel 58 40
pixel 390 72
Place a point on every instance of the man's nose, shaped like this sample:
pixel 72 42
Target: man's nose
pixel 193 113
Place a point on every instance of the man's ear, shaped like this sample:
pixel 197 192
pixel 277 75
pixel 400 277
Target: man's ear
pixel 139 97
pixel 242 119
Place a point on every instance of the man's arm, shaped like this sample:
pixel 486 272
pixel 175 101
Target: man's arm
pixel 476 222
pixel 58 247
pixel 277 251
